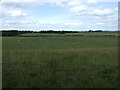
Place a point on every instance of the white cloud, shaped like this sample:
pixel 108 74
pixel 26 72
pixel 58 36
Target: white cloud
pixel 60 4
pixel 36 24
pixel 91 1
pixel 72 3
pixel 46 22
pixel 78 9
pixel 101 12
pixel 19 0
pixel 1 11
pixel 21 5
pixel 59 24
pixel 100 23
pixel 72 24
pixel 8 12
pixel 16 13
pixel 83 10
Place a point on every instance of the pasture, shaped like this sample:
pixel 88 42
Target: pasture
pixel 84 60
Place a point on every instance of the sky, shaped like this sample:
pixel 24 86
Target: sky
pixel 71 15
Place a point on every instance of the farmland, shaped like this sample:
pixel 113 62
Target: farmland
pixel 73 60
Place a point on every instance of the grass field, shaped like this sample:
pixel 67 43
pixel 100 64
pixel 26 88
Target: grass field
pixel 88 61
pixel 68 34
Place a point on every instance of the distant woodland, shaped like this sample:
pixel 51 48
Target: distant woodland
pixel 17 32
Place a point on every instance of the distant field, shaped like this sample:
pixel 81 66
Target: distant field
pixel 68 34
pixel 88 61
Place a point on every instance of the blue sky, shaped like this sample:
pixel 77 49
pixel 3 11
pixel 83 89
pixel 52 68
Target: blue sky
pixel 79 15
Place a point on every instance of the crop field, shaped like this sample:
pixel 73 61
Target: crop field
pixel 81 60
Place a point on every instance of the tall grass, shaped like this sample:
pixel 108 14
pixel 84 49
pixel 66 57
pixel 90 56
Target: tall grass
pixel 78 62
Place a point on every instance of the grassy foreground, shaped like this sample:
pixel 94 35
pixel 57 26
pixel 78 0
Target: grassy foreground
pixel 60 62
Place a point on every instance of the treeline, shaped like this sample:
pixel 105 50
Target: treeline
pixel 13 32
pixel 16 32
pixel 95 31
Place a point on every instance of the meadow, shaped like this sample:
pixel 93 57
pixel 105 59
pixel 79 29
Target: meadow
pixel 81 60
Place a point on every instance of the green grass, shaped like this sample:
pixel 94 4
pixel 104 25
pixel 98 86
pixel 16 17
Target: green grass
pixel 48 34
pixel 67 34
pixel 60 62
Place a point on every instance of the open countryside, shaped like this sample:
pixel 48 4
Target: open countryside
pixel 60 43
pixel 70 60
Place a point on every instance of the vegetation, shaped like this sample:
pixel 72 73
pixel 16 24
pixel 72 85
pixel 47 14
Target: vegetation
pixel 95 31
pixel 51 33
pixel 13 32
pixel 16 32
pixel 88 61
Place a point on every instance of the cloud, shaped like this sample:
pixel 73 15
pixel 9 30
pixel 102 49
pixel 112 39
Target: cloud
pixel 81 11
pixel 1 11
pixel 38 22
pixel 6 11
pixel 22 5
pixel 73 3
pixel 15 5
pixel 100 23
pixel 72 24
pixel 58 3
pixel 102 12
pixel 13 13
pixel 39 25
pixel 16 13
pixel 86 10
pixel 78 9
pixel 19 1
pixel 91 1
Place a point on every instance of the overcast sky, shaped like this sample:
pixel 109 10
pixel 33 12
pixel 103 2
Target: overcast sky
pixel 59 14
